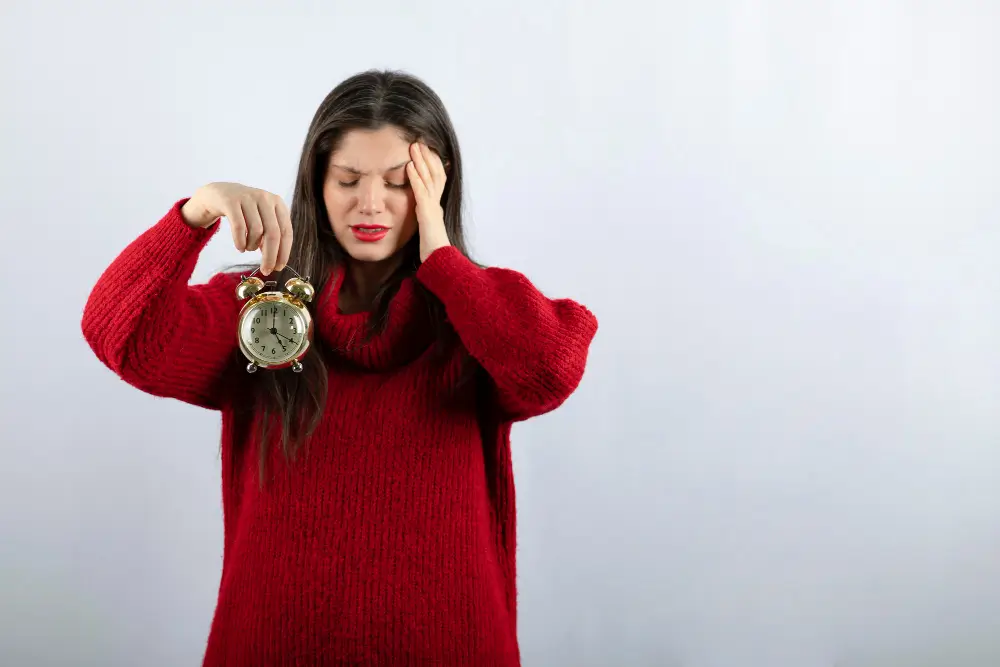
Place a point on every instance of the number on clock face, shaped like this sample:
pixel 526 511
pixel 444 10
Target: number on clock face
pixel 273 331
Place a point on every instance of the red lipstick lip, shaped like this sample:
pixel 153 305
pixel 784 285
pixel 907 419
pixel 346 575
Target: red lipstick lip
pixel 369 233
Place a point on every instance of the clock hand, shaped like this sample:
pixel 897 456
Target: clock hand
pixel 274 332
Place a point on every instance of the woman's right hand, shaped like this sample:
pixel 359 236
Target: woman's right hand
pixel 257 219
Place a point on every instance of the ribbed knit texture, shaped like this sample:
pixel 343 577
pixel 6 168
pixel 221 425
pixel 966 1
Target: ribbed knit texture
pixel 391 539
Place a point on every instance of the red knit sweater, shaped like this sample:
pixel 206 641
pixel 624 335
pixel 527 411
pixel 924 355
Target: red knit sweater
pixel 392 540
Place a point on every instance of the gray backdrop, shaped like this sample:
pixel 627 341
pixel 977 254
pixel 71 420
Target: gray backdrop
pixel 785 450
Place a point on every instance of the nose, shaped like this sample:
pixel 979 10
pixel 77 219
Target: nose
pixel 371 198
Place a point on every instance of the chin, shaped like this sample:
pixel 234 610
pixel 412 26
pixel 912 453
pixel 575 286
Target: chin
pixel 361 251
pixel 370 252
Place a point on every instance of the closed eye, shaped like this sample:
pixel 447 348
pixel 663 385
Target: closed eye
pixel 394 186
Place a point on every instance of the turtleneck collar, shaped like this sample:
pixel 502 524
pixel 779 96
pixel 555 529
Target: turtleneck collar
pixel 406 335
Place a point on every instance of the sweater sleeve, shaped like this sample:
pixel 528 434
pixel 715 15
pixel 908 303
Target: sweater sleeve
pixel 534 348
pixel 155 331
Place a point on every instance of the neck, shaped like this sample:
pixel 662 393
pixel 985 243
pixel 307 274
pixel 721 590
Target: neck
pixel 363 281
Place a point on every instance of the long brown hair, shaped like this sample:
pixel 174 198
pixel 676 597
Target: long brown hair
pixel 369 100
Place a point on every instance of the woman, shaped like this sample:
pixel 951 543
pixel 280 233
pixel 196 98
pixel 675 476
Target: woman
pixel 368 499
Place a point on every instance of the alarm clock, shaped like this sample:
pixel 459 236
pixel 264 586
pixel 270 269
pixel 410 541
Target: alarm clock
pixel 274 327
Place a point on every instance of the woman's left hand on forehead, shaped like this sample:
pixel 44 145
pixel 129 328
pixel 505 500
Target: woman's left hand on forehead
pixel 427 178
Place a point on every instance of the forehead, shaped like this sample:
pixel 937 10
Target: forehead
pixel 371 150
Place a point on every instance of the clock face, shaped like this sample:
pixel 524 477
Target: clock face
pixel 273 331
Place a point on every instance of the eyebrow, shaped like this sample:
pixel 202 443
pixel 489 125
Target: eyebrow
pixel 364 173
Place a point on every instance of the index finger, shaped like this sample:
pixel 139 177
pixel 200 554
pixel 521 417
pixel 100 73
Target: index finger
pixel 285 226
pixel 434 163
pixel 238 226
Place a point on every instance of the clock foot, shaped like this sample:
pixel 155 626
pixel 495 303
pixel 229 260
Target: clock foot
pixel 296 367
pixel 251 368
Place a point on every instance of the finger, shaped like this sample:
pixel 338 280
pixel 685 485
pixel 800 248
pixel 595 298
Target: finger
pixel 421 165
pixel 415 182
pixel 285 225
pixel 238 226
pixel 255 228
pixel 271 239
pixel 427 173
pixel 437 169
pixel 434 171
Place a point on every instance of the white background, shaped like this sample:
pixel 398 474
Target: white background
pixel 786 449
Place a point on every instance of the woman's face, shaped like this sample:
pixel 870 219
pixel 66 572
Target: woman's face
pixel 367 195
